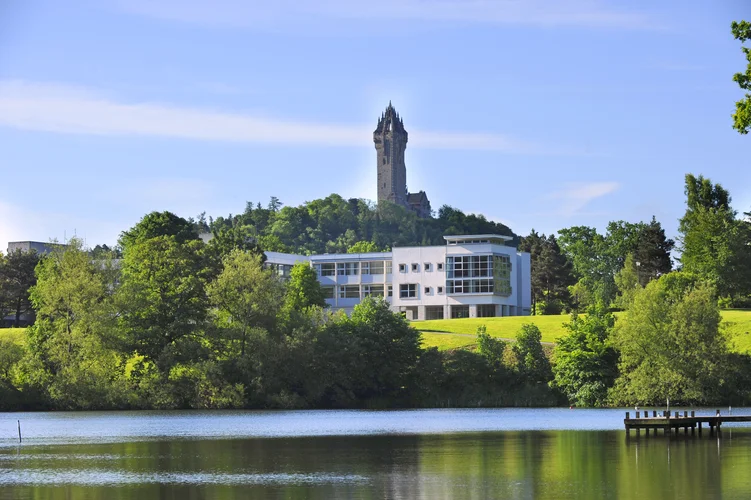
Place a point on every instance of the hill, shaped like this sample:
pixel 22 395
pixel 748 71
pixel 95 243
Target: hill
pixel 334 225
pixel 460 333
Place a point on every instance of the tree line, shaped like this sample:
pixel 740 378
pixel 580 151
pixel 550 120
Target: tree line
pixel 177 323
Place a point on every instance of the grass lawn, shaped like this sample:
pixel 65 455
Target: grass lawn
pixel 455 333
pixel 14 334
pixel 738 324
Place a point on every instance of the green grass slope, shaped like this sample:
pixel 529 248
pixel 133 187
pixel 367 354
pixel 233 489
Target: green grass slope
pixel 16 335
pixel 458 333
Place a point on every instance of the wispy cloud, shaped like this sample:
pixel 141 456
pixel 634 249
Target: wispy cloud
pixel 575 196
pixel 62 109
pixel 300 13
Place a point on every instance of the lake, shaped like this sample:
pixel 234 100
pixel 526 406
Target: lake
pixel 431 454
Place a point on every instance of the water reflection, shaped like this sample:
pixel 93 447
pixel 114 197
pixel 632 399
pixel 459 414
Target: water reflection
pixel 517 465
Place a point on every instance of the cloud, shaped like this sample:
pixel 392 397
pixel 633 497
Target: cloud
pixel 575 196
pixel 309 13
pixel 71 110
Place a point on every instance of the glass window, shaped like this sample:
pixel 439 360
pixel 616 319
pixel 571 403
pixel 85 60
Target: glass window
pixel 440 289
pixel 402 268
pixel 349 292
pixel 440 266
pixel 408 291
pixel 328 292
pixel 374 267
pixel 390 291
pixel 389 269
pixel 372 290
pixel 427 290
pixel 434 312
pixel 326 269
pixel 347 268
pixel 428 267
pixel 415 268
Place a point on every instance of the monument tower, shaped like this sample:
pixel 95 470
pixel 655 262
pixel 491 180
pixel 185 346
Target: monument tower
pixel 390 140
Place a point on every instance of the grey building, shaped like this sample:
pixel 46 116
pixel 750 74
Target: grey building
pixel 37 246
pixel 390 140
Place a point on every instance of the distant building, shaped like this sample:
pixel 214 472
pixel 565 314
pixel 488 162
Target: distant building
pixel 37 246
pixel 471 276
pixel 390 140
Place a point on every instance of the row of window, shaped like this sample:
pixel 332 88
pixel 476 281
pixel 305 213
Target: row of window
pixel 406 291
pixel 427 267
pixel 375 267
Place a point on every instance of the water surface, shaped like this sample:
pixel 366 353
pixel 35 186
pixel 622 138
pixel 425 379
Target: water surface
pixel 498 453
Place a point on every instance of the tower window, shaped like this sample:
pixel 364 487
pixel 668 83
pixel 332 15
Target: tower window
pixel 384 161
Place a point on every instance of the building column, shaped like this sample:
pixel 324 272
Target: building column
pixel 472 311
pixel 498 310
pixel 421 313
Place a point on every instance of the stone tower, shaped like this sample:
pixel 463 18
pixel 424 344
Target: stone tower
pixel 390 140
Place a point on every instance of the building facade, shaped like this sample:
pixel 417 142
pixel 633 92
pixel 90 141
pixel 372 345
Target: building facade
pixel 36 246
pixel 390 139
pixel 471 276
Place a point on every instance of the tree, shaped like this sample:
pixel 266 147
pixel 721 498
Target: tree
pixel 71 356
pixel 158 224
pixel 16 279
pixel 627 281
pixel 490 348
pixel 303 289
pixel 742 116
pixel 551 273
pixel 670 344
pixel 163 298
pixel 586 366
pixel 370 356
pixel 587 251
pixel 531 362
pixel 246 295
pixel 652 253
pixel 363 247
pixel 713 242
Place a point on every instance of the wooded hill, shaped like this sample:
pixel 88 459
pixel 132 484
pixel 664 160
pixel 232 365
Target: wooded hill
pixel 336 225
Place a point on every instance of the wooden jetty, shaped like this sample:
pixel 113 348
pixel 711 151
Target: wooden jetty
pixel 673 424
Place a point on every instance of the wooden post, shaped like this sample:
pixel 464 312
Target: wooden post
pixel 685 413
pixel 654 413
pixel 637 414
pixel 628 427
pixel 19 431
pixel 693 414
pixel 699 424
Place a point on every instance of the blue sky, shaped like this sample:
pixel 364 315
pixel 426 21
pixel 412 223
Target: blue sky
pixel 538 113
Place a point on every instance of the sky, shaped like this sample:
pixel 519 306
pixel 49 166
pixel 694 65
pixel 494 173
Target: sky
pixel 541 114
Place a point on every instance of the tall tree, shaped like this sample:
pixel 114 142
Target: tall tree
pixel 71 357
pixel 247 297
pixel 588 252
pixel 742 116
pixel 531 362
pixel 303 289
pixel 713 242
pixel 159 224
pixel 670 344
pixel 163 298
pixel 652 253
pixel 551 273
pixel 586 366
pixel 16 279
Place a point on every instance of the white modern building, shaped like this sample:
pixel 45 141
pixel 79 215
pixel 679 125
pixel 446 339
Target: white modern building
pixel 471 276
